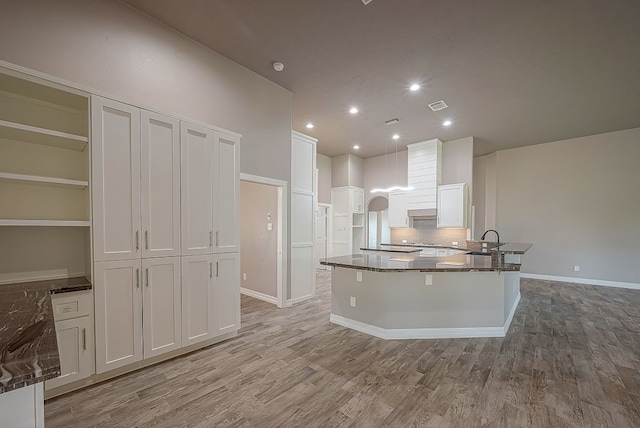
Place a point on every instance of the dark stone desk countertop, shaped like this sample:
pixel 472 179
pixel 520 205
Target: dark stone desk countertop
pixel 28 344
pixel 388 262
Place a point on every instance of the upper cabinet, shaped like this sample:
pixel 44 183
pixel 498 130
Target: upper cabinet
pixel 424 171
pixel 453 203
pixel 136 176
pixel 398 209
pixel 209 206
pixel 357 201
pixel 44 175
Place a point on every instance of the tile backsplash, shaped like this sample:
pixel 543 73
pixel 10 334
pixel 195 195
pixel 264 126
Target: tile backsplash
pixel 425 230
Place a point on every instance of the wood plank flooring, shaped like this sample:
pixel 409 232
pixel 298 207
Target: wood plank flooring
pixel 571 359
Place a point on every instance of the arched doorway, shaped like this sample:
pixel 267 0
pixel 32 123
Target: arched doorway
pixel 378 231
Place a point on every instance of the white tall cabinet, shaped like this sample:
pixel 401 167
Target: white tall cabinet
pixel 348 220
pixel 165 214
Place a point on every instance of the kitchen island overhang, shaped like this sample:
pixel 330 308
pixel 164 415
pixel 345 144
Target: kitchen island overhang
pixel 411 297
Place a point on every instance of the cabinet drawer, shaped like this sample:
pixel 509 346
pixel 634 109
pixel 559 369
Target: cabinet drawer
pixel 71 305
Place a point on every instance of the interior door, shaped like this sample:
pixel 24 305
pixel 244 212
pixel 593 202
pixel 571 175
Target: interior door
pixel 322 238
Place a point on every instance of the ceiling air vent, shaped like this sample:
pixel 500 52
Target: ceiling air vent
pixel 438 105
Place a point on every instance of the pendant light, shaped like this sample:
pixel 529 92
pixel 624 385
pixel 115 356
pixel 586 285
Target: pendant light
pixel 395 186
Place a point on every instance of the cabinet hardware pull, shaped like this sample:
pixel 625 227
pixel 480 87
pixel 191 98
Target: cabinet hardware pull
pixel 217 270
pixel 84 339
pixel 146 239
pixel 210 269
pixel 137 278
pixel 147 278
pixel 211 238
pixel 217 239
pixel 137 240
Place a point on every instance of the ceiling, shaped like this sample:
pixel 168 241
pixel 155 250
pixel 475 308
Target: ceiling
pixel 513 73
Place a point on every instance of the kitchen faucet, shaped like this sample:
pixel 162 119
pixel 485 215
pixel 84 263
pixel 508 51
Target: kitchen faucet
pixel 491 230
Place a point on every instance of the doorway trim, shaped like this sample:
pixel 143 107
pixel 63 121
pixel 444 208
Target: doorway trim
pixel 281 268
pixel 329 228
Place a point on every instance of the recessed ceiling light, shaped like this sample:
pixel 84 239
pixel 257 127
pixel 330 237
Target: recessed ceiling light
pixel 278 66
pixel 447 123
pixel 414 87
pixel 356 147
pixel 353 110
pixel 395 136
pixel 309 125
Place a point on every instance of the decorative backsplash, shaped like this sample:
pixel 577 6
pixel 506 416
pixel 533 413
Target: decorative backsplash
pixel 425 230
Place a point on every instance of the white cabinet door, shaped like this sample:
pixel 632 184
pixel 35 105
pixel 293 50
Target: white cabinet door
pixel 398 209
pixel 227 293
pixel 452 206
pixel 161 310
pixel 115 142
pixel 75 342
pixel 160 185
pixel 227 194
pixel 196 145
pixel 357 201
pixel 197 299
pixel 118 314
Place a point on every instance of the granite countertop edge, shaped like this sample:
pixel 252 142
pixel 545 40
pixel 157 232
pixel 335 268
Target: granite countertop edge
pixel 509 267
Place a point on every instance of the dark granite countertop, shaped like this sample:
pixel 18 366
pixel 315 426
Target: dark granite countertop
pixel 505 247
pixel 28 344
pixel 392 249
pixel 387 262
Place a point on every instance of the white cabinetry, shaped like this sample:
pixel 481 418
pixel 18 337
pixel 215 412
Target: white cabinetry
pixel 118 311
pixel 210 190
pixel 453 205
pixel 398 209
pixel 74 331
pixel 210 296
pixel 348 220
pixel 115 130
pixel 136 299
pixel 424 171
pixel 136 172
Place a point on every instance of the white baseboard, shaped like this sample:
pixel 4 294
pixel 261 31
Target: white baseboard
pixel 291 302
pixel 427 333
pixel 258 295
pixel 600 282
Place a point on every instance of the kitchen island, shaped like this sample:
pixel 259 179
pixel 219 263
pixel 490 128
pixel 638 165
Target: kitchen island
pixel 395 295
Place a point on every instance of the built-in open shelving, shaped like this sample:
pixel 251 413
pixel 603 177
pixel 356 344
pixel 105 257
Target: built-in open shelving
pixel 47 181
pixel 45 223
pixel 42 136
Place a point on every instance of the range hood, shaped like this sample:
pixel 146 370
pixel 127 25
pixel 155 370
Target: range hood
pixel 425 213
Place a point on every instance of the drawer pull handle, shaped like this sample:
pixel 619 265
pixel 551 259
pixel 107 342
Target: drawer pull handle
pixel 84 339
pixel 137 278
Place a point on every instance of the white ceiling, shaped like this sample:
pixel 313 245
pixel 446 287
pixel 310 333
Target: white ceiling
pixel 513 73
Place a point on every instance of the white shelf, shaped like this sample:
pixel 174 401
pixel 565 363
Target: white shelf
pixel 42 136
pixel 50 223
pixel 49 181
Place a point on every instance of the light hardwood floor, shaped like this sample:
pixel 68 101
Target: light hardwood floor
pixel 571 358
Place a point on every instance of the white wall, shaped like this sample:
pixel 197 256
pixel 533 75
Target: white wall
pixel 259 246
pixel 114 49
pixel 578 202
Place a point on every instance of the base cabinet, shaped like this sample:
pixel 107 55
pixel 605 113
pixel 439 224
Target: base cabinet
pixel 137 310
pixel 210 296
pixel 75 344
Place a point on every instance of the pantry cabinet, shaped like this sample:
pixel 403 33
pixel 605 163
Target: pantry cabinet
pixel 136 176
pixel 209 206
pixel 137 302
pixel 210 296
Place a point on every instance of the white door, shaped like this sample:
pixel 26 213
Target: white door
pixel 115 161
pixel 118 313
pixel 322 238
pixel 227 194
pixel 160 185
pixel 227 293
pixel 75 341
pixel 197 299
pixel 196 146
pixel 161 310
